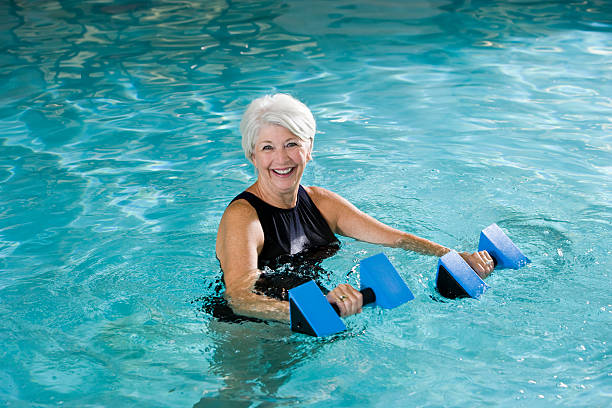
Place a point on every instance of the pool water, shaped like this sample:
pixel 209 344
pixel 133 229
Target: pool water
pixel 119 150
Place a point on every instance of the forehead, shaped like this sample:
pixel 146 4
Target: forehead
pixel 274 133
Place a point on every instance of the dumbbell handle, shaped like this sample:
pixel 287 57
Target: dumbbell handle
pixel 368 297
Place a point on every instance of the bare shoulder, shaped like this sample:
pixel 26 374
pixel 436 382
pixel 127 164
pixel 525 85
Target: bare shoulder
pixel 331 205
pixel 238 217
pixel 239 228
pixel 320 194
pixel 239 210
pixel 324 197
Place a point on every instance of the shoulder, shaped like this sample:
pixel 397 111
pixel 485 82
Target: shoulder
pixel 320 193
pixel 239 211
pixel 322 196
pixel 239 219
pixel 239 240
pixel 239 227
pixel 331 205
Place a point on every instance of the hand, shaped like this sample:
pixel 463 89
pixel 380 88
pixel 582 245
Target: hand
pixel 481 262
pixel 348 299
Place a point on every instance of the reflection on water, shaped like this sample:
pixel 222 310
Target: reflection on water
pixel 255 361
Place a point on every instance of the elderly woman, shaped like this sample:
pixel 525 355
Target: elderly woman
pixel 277 221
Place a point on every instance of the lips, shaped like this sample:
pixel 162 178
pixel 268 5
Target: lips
pixel 283 172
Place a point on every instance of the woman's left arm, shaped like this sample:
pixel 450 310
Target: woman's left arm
pixel 347 220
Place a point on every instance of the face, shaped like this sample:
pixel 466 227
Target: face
pixel 280 158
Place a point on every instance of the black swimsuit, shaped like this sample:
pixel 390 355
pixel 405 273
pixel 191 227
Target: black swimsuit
pixel 288 232
pixel 296 241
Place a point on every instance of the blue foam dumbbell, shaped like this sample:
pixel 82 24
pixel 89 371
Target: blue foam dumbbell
pixel 381 284
pixel 455 278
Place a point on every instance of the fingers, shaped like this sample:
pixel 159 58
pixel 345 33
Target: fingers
pixel 481 262
pixel 489 265
pixel 347 298
pixel 488 259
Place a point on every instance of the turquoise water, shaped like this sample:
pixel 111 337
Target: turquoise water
pixel 119 149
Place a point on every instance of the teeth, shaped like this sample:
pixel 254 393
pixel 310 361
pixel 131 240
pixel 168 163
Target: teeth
pixel 284 171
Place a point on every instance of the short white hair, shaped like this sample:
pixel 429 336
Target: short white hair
pixel 278 109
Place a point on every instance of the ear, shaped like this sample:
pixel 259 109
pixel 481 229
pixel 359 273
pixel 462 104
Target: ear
pixel 254 164
pixel 309 154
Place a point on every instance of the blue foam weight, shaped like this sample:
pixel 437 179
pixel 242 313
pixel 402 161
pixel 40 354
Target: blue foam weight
pixel 380 275
pixel 501 248
pixel 311 313
pixel 456 279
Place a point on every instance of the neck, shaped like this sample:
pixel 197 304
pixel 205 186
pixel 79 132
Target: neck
pixel 277 199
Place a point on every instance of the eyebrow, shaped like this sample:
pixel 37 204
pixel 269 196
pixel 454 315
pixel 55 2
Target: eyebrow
pixel 287 140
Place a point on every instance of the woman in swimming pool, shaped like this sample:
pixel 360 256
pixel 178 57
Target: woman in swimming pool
pixel 277 221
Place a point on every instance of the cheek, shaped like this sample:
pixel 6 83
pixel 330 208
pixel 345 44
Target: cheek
pixel 301 156
pixel 258 159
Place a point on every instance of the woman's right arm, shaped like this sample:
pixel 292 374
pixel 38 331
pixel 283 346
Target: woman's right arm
pixel 239 240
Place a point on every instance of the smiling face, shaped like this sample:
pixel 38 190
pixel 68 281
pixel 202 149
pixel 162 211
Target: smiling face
pixel 280 158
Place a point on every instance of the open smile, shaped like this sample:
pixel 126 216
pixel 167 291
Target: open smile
pixel 284 172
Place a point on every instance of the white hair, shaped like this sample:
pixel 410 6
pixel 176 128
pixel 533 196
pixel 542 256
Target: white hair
pixel 278 109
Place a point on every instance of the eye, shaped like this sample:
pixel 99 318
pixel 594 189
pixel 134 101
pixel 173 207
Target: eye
pixel 266 147
pixel 293 144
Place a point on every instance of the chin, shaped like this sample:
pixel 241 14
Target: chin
pixel 286 187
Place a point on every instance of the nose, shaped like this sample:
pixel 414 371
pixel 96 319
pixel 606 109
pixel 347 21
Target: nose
pixel 281 156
